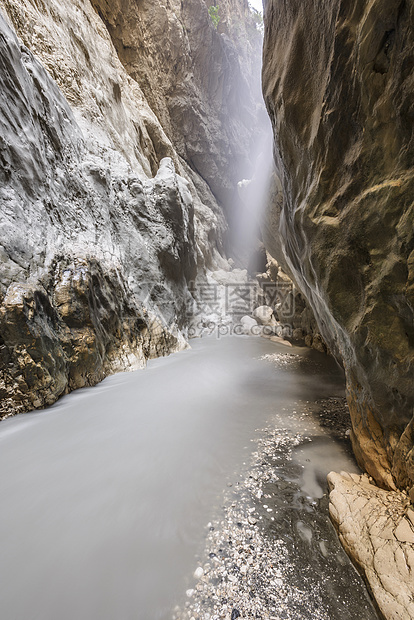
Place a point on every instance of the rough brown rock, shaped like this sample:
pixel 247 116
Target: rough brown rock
pixel 294 314
pixel 338 85
pixel 79 325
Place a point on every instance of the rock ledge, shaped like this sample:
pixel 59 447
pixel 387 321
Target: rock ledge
pixel 376 528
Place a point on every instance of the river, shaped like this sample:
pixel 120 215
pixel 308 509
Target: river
pixel 107 494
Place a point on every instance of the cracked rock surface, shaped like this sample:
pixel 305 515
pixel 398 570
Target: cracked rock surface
pixel 376 528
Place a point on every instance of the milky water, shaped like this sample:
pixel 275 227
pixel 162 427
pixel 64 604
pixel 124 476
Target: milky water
pixel 105 496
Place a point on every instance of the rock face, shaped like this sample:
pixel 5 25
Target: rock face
pixel 295 313
pixel 376 528
pixel 202 83
pixel 338 84
pixel 104 224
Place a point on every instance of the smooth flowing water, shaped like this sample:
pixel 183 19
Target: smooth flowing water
pixel 105 496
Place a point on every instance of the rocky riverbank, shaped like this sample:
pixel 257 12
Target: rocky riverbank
pixel 272 553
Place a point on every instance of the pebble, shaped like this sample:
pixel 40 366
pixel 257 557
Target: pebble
pixel 248 577
pixel 252 520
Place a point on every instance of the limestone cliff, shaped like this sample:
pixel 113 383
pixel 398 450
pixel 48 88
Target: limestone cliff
pixel 338 84
pixel 105 218
pixel 202 83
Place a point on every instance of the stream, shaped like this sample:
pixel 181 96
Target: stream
pixel 111 498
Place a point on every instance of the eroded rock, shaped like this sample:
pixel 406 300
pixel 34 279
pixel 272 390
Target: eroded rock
pixel 105 224
pixel 338 86
pixel 202 83
pixel 376 529
pixel 72 331
pixel 264 315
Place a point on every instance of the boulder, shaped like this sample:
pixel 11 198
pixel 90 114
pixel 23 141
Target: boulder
pixel 377 531
pixel 250 326
pixel 264 315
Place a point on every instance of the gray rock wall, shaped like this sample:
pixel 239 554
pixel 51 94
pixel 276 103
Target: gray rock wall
pixel 202 83
pixel 84 241
pixel 104 224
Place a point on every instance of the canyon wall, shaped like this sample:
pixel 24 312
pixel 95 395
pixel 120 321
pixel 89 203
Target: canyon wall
pixel 338 82
pixel 202 83
pixel 109 211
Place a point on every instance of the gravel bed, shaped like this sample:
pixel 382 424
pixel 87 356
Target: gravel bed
pixel 272 553
pixel 244 576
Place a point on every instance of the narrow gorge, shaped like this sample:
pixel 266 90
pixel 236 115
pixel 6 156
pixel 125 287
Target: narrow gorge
pixel 233 184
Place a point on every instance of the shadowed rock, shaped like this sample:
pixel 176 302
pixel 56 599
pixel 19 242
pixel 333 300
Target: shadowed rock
pixel 338 86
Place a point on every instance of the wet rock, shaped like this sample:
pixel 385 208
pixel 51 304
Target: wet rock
pixel 297 334
pixel 256 545
pixel 279 340
pixel 337 88
pixel 292 312
pixel 76 220
pixel 72 331
pixel 105 225
pixel 252 520
pixel 318 343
